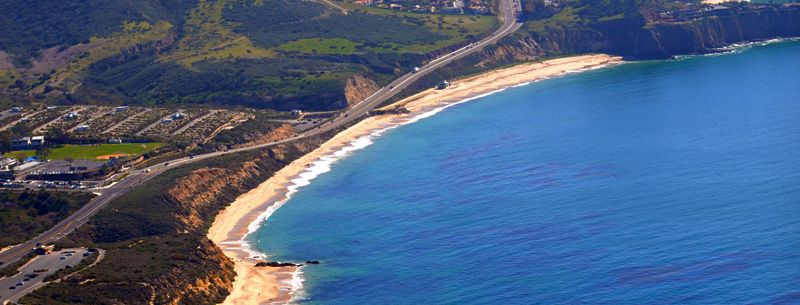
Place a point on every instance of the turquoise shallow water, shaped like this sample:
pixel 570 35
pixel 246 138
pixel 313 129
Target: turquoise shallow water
pixel 663 182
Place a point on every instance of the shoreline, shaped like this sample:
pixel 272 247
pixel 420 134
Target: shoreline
pixel 274 285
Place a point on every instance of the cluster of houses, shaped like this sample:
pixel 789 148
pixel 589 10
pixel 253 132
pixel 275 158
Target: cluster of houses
pixel 73 115
pixel 710 10
pixel 177 116
pixel 456 7
pixel 691 13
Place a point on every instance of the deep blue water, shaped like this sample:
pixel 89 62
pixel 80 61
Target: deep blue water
pixel 662 182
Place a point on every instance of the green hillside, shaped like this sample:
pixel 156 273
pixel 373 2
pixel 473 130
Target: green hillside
pixel 277 54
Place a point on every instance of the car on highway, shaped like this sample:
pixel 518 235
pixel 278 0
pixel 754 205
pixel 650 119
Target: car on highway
pixel 12 287
pixel 63 257
pixel 20 283
pixel 68 254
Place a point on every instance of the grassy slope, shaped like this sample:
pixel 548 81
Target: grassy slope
pixel 206 38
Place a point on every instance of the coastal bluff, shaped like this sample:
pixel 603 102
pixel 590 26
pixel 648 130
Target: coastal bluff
pixel 634 37
pixel 709 34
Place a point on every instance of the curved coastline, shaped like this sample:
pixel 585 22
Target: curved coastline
pixel 231 228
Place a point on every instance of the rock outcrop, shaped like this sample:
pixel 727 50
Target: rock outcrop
pixel 277 264
pixel 357 88
pixel 180 286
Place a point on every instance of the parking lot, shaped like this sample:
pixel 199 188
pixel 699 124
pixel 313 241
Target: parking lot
pixel 35 184
pixel 32 274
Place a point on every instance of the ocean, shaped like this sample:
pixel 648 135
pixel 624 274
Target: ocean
pixel 654 182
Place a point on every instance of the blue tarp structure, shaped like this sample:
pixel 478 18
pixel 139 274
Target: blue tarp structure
pixel 32 158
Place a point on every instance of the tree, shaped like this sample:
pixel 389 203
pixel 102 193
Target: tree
pixel 58 135
pixel 20 156
pixel 44 150
pixel 5 142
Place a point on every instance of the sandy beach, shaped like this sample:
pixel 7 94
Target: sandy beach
pixel 498 79
pixel 259 285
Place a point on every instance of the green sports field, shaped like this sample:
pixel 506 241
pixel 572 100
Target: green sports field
pixel 79 152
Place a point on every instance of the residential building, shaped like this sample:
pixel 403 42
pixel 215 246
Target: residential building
pixel 20 143
pixel 27 143
pixel 36 142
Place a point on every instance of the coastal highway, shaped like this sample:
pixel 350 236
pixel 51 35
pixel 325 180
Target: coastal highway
pixel 509 15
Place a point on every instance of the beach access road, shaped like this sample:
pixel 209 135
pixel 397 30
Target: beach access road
pixel 41 266
pixel 509 14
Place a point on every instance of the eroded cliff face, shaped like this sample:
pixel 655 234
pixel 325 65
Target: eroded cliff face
pixel 260 137
pixel 203 190
pixel 707 34
pixel 357 88
pixel 182 286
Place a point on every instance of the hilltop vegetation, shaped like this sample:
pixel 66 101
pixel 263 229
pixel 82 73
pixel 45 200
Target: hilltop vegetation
pixel 26 214
pixel 281 22
pixel 32 26
pixel 258 53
